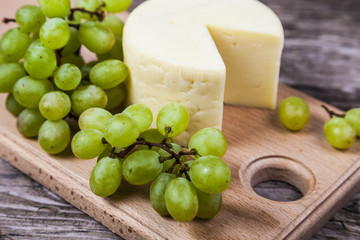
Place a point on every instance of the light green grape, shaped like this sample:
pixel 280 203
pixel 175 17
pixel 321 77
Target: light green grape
pixel 121 130
pixel 28 91
pixel 116 96
pixel 106 176
pixel 168 163
pixel 28 122
pixel 210 174
pixel 157 192
pixel 88 144
pixel 115 6
pixel 85 70
pixel 94 118
pixel 73 44
pixel 115 53
pixel 152 135
pixel 2 58
pixel 209 204
pixel 67 77
pixel 74 59
pixel 115 24
pixel 9 74
pixel 181 200
pixel 88 97
pixel 173 115
pixel 55 8
pixel 209 141
pixel 96 37
pixel 13 106
pixel 55 105
pixel 54 136
pixel 40 61
pixel 109 73
pixel 294 113
pixel 90 5
pixel 13 45
pixel 353 118
pixel 55 33
pixel 29 18
pixel 339 133
pixel 142 167
pixel 141 114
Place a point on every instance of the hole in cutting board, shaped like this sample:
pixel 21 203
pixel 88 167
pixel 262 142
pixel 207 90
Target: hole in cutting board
pixel 278 191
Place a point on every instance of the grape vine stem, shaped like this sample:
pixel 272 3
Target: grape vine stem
pixel 7 20
pixel 331 112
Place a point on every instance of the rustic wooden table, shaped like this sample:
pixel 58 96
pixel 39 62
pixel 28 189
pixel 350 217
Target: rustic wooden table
pixel 321 58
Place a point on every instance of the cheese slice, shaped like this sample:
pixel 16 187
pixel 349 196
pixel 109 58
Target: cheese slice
pixel 202 53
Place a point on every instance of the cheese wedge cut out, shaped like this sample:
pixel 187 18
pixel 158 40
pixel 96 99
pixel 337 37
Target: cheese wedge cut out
pixel 202 53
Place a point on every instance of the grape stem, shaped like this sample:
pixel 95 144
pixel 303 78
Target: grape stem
pixel 98 13
pixel 7 20
pixel 331 112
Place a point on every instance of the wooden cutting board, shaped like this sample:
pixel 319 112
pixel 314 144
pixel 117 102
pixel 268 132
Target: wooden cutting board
pixel 260 149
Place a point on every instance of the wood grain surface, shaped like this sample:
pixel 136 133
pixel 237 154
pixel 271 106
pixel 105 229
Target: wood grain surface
pixel 321 58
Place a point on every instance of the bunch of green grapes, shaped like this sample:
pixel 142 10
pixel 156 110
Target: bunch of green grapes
pixel 184 184
pixel 46 78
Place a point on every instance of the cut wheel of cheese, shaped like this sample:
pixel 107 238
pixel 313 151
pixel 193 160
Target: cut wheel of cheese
pixel 202 53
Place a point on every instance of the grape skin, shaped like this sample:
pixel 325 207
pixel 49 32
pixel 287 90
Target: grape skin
pixel 87 144
pixel 353 118
pixel 29 121
pixel 209 141
pixel 13 45
pixel 9 74
pixel 157 192
pixel 54 136
pixel 209 204
pixel 115 6
pixel 141 114
pixel 40 61
pixel 67 77
pixel 339 133
pixel 175 116
pixel 13 106
pixel 55 8
pixel 116 96
pixel 86 97
pixel 55 105
pixel 29 18
pixel 294 113
pixel 94 118
pixel 109 73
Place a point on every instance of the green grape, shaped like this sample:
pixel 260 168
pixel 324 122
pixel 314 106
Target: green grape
pixel 115 24
pixel 55 8
pixel 168 163
pixel 157 192
pixel 76 60
pixel 87 144
pixel 55 105
pixel 152 135
pixel 181 200
pixel 210 174
pixel 115 6
pixel 55 33
pixel 106 176
pixel 2 58
pixel 94 118
pixel 90 5
pixel 73 44
pixel 67 77
pixel 40 61
pixel 85 70
pixel 141 114
pixel 54 136
pixel 109 73
pixel 339 133
pixel 121 130
pixel 96 37
pixel 29 121
pixel 9 74
pixel 115 53
pixel 116 96
pixel 141 167
pixel 209 204
pixel 88 97
pixel 35 36
pixel 294 113
pixel 208 141
pixel 173 115
pixel 13 45
pixel 13 106
pixel 29 18
pixel 353 118
pixel 28 91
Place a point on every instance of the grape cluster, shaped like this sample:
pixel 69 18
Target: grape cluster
pixel 185 184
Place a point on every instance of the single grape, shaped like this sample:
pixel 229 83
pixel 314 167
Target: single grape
pixel 181 200
pixel 74 59
pixel 94 118
pixel 152 135
pixel 96 37
pixel 168 163
pixel 339 133
pixel 106 176
pixel 115 24
pixel 86 97
pixel 40 61
pixel 116 96
pixel 67 77
pixel 55 105
pixel 294 113
pixel 109 73
pixel 173 115
pixel 73 44
pixel 115 6
pixel 55 8
pixel 29 18
pixel 209 204
pixel 115 53
pixel 13 106
pixel 87 144
pixel 353 118
pixel 28 122
pixel 9 74
pixel 142 167
pixel 90 5
pixel 209 141
pixel 141 114
pixel 28 91
pixel 85 70
pixel 121 130
pixel 55 33
pixel 210 174
pixel 157 192
pixel 13 45
pixel 54 136
pixel 2 58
